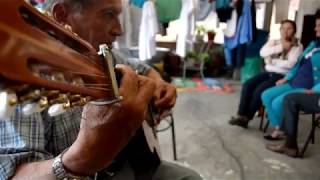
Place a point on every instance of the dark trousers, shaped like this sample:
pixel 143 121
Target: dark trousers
pixel 250 100
pixel 292 104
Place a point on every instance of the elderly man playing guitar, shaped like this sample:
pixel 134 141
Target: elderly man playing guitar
pixel 82 143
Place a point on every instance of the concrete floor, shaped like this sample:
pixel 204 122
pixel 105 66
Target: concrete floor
pixel 208 144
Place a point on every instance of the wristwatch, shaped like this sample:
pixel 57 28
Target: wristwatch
pixel 60 172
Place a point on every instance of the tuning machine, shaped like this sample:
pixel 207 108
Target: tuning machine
pixel 36 100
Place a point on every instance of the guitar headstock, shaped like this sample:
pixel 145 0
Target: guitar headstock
pixel 45 64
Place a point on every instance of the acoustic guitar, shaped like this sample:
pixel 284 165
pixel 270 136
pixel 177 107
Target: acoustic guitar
pixel 43 65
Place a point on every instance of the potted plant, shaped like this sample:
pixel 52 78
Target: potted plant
pixel 211 35
pixel 200 31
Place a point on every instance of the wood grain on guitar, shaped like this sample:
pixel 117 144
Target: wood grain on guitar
pixel 45 64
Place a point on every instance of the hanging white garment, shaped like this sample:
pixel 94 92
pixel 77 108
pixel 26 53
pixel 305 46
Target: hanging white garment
pixel 187 25
pixel 148 31
pixel 125 41
pixel 231 27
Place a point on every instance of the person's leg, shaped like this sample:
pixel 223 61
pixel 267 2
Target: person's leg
pixel 268 97
pixel 277 106
pixel 246 93
pixel 293 103
pixel 170 171
pixel 256 102
pixel 243 115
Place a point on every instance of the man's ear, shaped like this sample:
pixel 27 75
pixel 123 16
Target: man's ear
pixel 60 13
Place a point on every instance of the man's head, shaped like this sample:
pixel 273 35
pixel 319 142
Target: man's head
pixel 317 26
pixel 96 21
pixel 288 29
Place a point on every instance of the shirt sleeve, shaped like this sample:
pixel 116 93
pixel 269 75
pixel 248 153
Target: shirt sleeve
pixel 22 140
pixel 121 58
pixel 293 56
pixel 271 48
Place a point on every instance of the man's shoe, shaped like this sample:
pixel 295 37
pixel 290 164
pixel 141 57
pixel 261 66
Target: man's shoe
pixel 239 122
pixel 282 149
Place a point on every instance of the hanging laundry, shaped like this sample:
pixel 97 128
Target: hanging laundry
pixel 223 10
pixel 222 3
pixel 136 16
pixel 148 31
pixel 205 7
pixel 124 41
pixel 231 27
pixel 137 3
pixel 168 10
pixel 235 46
pixel 187 25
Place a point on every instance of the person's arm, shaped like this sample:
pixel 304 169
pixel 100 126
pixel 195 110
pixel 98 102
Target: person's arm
pixel 165 94
pixel 104 131
pixel 42 169
pixel 271 48
pixel 293 56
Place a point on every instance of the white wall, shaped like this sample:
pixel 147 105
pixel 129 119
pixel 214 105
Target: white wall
pixel 305 7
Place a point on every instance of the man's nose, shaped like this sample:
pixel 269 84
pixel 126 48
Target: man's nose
pixel 117 30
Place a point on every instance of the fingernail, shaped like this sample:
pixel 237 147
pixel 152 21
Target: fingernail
pixel 119 65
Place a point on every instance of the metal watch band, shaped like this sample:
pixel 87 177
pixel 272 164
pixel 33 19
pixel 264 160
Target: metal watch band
pixel 60 172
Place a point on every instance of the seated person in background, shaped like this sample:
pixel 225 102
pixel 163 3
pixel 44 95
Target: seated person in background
pixel 279 56
pixel 308 102
pixel 304 76
pixel 82 142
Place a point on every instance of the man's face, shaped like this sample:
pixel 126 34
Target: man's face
pixel 97 23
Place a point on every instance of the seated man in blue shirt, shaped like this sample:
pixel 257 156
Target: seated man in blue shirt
pixel 81 142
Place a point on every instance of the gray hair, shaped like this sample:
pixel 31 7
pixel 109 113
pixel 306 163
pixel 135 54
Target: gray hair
pixel 74 4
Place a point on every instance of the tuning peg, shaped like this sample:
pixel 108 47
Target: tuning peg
pixel 50 93
pixel 43 102
pixel 61 98
pixel 58 76
pixel 77 81
pixel 31 108
pixel 8 100
pixel 78 100
pixel 30 96
pixel 58 109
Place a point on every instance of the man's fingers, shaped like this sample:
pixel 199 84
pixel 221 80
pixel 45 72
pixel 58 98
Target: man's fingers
pixel 146 89
pixel 168 100
pixel 129 81
pixel 157 94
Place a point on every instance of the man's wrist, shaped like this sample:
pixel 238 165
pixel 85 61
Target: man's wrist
pixel 62 173
pixel 77 162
